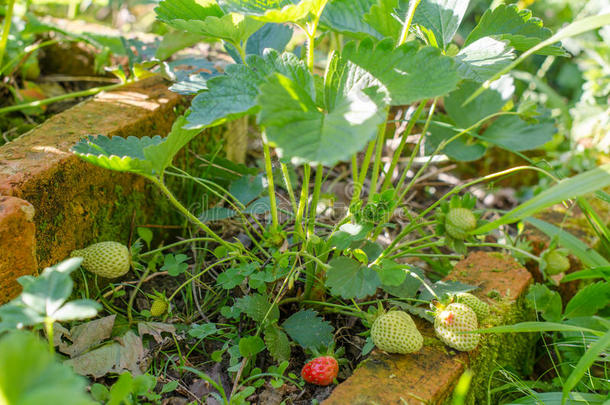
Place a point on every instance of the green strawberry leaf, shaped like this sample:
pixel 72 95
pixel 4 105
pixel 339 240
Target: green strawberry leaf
pixel 345 17
pixel 507 22
pixel 277 343
pixel 491 101
pixel 349 279
pixel 233 28
pixel 117 153
pixel 589 300
pixel 324 137
pixel 442 17
pixel 408 287
pixel 416 73
pixel 77 309
pixel 391 273
pixel 514 134
pixel 463 149
pixel 545 301
pixel 171 10
pixel 275 36
pixel 258 308
pixel 30 375
pixel 277 11
pixel 206 18
pixel 233 94
pixel 385 17
pixel 309 330
pixel 145 156
pixel 483 58
pixel 247 188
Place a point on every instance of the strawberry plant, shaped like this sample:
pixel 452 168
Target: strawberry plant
pixel 329 104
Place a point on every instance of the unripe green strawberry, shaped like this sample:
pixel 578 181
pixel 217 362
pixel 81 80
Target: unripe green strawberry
pixel 106 259
pixel 395 332
pixel 480 308
pixel 556 263
pixel 159 307
pixel 453 319
pixel 459 222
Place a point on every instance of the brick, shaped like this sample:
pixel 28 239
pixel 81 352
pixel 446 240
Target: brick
pixel 429 376
pixel 76 202
pixel 17 245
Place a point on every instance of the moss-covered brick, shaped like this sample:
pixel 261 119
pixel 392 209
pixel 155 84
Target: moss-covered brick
pixel 429 376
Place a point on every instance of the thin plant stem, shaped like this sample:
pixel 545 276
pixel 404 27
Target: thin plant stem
pixel 407 24
pixel 289 188
pixel 508 247
pixel 172 245
pixel 455 190
pixel 315 197
pixel 68 96
pixel 363 172
pixel 6 28
pixel 184 211
pixel 196 276
pixel 415 150
pixel 132 297
pixel 48 327
pixel 403 141
pixel 270 185
pixel 378 154
pixel 302 202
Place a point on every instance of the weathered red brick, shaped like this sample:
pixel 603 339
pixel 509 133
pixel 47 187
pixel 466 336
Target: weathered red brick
pixel 17 245
pixel 76 202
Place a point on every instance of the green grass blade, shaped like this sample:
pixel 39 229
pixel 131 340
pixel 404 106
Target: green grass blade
pixel 573 187
pixel 576 28
pixel 588 274
pixel 584 363
pixel 539 327
pixel 578 248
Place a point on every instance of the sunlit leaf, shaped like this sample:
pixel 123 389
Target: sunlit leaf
pixel 442 17
pixel 483 58
pixel 507 22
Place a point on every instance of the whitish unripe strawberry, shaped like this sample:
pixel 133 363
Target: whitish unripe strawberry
pixel 106 259
pixel 453 319
pixel 395 332
pixel 159 307
pixel 480 308
pixel 459 222
pixel 556 263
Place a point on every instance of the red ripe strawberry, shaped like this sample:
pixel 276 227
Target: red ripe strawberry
pixel 321 370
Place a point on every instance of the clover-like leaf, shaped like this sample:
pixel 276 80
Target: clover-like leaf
pixel 233 94
pixel 442 17
pixel 483 58
pixel 349 279
pixel 309 330
pixel 507 22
